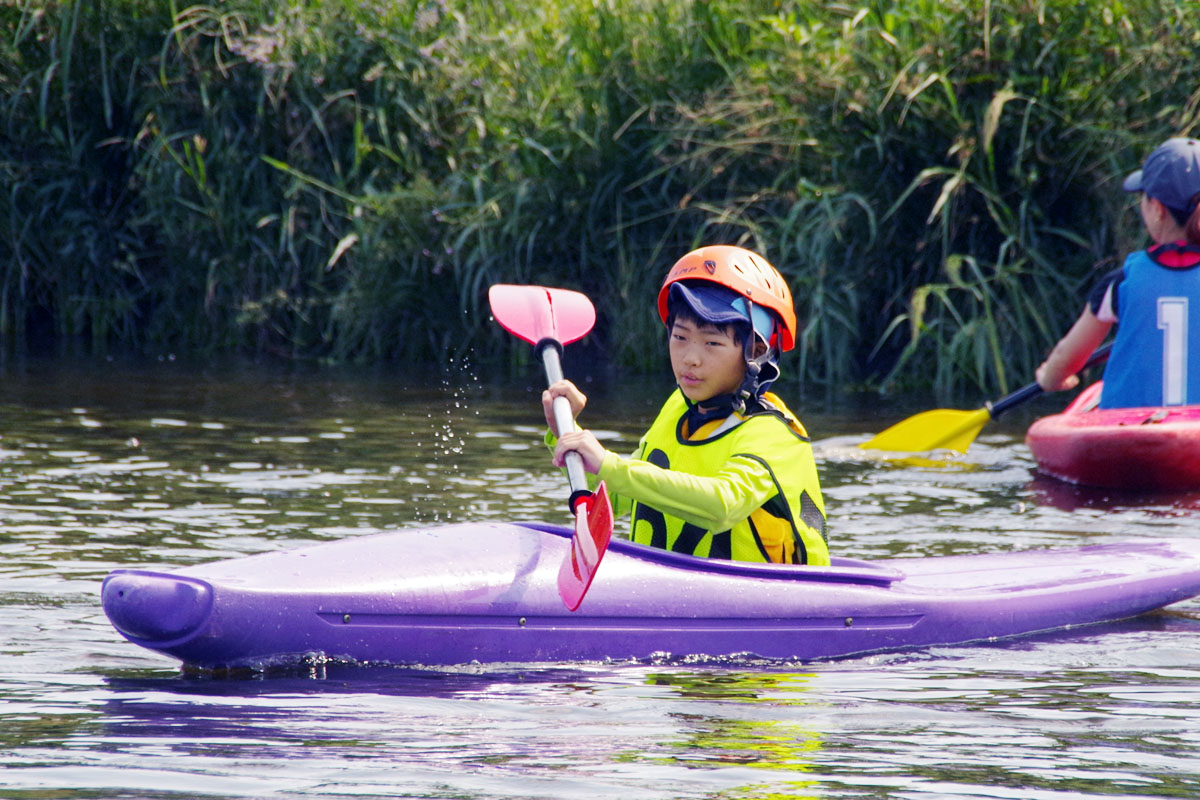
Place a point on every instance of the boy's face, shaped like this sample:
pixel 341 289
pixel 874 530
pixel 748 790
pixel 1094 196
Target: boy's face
pixel 707 360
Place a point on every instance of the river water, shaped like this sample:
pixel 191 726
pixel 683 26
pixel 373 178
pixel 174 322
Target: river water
pixel 114 465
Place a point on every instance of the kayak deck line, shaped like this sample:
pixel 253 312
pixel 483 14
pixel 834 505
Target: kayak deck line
pixel 462 593
pixel 772 623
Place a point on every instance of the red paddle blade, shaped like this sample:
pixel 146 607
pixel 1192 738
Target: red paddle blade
pixel 593 530
pixel 534 313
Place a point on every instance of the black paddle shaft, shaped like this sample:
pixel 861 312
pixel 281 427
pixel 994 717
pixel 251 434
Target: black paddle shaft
pixel 1033 390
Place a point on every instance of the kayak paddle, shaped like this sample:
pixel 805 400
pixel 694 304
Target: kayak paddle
pixel 951 429
pixel 549 319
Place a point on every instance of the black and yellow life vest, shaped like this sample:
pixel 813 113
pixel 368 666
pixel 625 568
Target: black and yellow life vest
pixel 788 528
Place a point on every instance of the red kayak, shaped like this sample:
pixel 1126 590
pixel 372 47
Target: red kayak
pixel 1119 448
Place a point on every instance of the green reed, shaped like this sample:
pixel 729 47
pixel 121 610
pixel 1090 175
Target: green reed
pixel 342 180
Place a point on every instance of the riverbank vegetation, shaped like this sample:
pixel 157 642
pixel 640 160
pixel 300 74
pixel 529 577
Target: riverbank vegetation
pixel 342 179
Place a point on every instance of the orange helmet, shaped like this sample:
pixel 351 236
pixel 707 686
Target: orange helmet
pixel 743 271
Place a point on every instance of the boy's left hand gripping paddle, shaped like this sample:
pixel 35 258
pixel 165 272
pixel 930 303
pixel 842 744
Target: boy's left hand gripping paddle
pixel 548 319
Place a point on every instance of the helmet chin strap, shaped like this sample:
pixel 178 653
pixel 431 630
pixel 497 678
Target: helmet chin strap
pixel 761 371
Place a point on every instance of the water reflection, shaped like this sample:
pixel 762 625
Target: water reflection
pixel 1069 497
pixel 1049 716
pixel 779 731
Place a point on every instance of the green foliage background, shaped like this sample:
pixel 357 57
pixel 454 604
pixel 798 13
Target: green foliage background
pixel 342 180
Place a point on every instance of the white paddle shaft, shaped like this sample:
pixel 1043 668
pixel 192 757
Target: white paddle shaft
pixel 563 419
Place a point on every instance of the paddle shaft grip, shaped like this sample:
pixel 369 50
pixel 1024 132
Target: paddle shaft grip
pixel 562 414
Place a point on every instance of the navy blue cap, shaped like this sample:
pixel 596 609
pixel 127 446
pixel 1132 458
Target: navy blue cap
pixel 1170 175
pixel 722 306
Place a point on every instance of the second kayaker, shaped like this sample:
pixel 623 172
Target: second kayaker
pixel 726 470
pixel 1154 298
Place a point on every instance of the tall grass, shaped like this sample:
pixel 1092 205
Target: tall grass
pixel 338 179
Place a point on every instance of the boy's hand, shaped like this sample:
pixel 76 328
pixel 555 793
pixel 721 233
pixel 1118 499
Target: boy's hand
pixel 584 443
pixel 563 388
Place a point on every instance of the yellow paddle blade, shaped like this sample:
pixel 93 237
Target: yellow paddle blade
pixel 940 429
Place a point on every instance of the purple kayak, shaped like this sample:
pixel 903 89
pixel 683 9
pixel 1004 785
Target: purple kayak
pixel 488 593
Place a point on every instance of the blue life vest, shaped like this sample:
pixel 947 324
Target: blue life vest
pixel 1158 328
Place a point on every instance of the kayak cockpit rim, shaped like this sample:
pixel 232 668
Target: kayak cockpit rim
pixel 841 570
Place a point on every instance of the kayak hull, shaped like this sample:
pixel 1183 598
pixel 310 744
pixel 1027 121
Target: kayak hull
pixel 488 593
pixel 1141 449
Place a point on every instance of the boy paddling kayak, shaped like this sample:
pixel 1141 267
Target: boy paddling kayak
pixel 726 469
